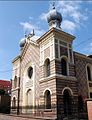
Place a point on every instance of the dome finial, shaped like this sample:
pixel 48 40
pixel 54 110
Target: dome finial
pixel 53 5
pixel 54 18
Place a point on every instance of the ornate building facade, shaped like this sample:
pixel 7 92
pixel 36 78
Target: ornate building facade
pixel 49 78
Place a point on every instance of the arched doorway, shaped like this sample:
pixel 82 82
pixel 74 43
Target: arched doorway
pixel 67 101
pixel 29 101
pixel 14 103
pixel 29 98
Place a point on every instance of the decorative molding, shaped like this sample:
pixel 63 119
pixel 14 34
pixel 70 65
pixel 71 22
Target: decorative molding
pixel 57 76
pixel 67 88
pixel 47 89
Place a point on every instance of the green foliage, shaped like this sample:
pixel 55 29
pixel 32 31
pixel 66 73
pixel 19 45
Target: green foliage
pixel 2 92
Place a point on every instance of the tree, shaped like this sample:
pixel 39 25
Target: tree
pixel 2 92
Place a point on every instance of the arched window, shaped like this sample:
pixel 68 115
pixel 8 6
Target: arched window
pixel 47 67
pixel 30 72
pixel 64 66
pixel 80 103
pixel 67 102
pixel 47 97
pixel 14 103
pixel 88 73
pixel 15 82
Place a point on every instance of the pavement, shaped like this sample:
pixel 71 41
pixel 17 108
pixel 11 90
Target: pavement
pixel 21 117
pixel 24 117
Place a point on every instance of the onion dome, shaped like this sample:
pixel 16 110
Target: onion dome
pixel 22 42
pixel 54 18
pixel 54 15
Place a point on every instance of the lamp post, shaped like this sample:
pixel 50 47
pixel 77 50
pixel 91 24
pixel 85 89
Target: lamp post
pixel 18 96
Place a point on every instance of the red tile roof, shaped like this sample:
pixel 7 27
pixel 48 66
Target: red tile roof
pixel 5 83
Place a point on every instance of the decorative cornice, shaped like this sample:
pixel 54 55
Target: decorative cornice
pixel 55 30
pixel 54 76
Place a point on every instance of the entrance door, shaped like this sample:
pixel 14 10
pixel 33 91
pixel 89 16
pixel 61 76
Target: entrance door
pixel 29 101
pixel 67 102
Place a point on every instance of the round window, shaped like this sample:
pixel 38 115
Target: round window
pixel 30 72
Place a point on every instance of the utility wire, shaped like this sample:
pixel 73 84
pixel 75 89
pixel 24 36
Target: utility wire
pixel 82 42
pixel 9 70
pixel 1 65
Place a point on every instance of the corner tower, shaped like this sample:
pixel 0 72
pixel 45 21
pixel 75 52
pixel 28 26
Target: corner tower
pixel 57 72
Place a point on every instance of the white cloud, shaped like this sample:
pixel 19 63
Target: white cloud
pixel 43 16
pixel 72 10
pixel 90 47
pixel 28 27
pixel 72 14
pixel 73 17
pixel 69 25
pixel 89 2
pixel 31 18
pixel 91 44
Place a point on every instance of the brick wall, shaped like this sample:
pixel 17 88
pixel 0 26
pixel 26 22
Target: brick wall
pixel 71 68
pixel 80 69
pixel 48 84
pixel 52 69
pixel 61 84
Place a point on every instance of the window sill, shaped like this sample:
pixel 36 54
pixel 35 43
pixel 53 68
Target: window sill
pixel 57 75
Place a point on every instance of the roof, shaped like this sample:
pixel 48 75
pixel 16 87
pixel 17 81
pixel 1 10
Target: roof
pixel 5 83
pixel 55 30
pixel 83 55
pixel 34 38
pixel 16 58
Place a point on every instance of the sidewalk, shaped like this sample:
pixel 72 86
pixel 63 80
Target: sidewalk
pixel 22 117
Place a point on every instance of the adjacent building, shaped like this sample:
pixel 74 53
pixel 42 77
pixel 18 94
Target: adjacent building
pixel 5 85
pixel 5 96
pixel 49 78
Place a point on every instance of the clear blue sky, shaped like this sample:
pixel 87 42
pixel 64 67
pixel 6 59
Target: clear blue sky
pixel 18 17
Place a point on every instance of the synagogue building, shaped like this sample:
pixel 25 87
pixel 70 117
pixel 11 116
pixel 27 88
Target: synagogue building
pixel 49 79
